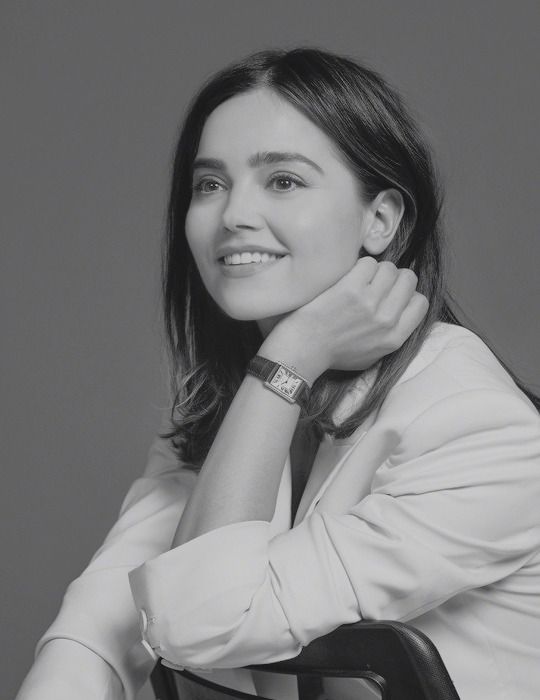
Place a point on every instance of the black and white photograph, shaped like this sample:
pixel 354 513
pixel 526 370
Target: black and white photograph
pixel 270 356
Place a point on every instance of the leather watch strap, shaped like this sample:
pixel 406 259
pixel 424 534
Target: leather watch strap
pixel 261 367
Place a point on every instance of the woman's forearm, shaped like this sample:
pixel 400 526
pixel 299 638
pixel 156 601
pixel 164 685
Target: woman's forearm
pixel 65 670
pixel 240 477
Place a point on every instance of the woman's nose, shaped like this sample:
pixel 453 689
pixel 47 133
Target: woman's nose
pixel 241 210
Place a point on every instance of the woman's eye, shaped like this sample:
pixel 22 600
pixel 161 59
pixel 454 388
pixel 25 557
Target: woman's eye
pixel 206 186
pixel 281 182
pixel 285 182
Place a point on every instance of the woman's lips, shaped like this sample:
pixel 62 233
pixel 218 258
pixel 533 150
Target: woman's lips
pixel 248 269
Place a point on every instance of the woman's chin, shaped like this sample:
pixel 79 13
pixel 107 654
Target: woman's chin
pixel 247 315
pixel 264 317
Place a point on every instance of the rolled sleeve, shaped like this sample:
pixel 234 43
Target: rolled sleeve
pixel 210 602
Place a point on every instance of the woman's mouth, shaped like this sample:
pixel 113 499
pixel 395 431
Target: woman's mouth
pixel 247 258
pixel 244 264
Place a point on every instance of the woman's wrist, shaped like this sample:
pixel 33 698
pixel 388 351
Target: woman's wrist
pixel 296 353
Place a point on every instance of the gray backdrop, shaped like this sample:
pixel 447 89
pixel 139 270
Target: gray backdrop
pixel 92 95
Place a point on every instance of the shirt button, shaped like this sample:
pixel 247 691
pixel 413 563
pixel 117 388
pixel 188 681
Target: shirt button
pixel 143 620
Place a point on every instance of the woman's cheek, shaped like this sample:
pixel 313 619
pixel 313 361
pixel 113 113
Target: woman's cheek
pixel 294 221
pixel 197 234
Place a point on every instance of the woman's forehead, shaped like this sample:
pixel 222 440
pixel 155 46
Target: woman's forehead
pixel 262 121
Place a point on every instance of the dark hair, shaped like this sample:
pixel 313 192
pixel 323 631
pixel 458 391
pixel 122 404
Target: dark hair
pixel 381 143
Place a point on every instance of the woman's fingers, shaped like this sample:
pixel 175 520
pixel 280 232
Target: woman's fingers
pixel 383 280
pixel 399 307
pixel 410 318
pixel 398 295
pixel 365 270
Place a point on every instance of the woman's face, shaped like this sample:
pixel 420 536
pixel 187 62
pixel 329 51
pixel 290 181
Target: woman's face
pixel 267 181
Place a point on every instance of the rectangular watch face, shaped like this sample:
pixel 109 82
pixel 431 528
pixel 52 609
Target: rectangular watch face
pixel 285 382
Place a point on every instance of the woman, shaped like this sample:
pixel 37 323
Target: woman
pixel 304 233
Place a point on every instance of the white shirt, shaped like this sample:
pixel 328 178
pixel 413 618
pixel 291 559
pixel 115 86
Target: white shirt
pixel 429 513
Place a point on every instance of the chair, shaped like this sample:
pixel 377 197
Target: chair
pixel 400 660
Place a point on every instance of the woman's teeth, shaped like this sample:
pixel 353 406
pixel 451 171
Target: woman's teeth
pixel 244 258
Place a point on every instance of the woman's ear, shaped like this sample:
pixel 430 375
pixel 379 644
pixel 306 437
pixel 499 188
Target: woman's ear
pixel 386 212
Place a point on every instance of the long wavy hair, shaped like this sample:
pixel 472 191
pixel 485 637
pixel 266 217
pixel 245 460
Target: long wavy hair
pixel 381 143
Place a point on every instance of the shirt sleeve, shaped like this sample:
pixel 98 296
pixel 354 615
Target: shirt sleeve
pixel 454 507
pixel 97 610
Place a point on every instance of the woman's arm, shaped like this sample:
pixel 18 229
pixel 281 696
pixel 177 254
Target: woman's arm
pixel 453 506
pixel 370 311
pixel 366 314
pixel 66 669
pixel 241 475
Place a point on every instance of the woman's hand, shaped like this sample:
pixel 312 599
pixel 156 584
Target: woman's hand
pixel 365 315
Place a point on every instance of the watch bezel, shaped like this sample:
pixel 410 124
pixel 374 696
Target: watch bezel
pixel 291 398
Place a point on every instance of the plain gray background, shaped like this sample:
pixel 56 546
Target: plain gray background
pixel 92 97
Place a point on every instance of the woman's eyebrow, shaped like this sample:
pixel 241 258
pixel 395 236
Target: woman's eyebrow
pixel 262 158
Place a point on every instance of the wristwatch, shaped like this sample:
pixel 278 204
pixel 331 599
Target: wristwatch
pixel 281 379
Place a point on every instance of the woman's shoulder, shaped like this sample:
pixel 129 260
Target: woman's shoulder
pixel 456 394
pixel 452 362
pixel 460 360
pixel 455 378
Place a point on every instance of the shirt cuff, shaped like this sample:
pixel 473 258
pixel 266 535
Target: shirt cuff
pixel 209 603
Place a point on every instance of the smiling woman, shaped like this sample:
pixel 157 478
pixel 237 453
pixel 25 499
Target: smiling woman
pixel 338 447
pixel 313 211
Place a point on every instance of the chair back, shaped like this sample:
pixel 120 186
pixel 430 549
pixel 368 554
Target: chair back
pixel 397 658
